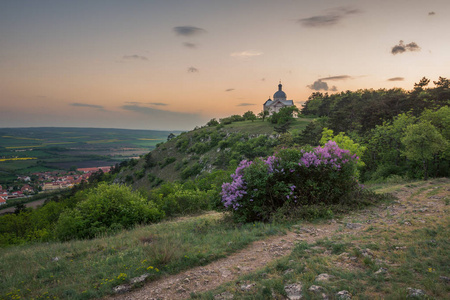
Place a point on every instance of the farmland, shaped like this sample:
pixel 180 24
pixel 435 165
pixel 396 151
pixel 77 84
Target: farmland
pixel 28 150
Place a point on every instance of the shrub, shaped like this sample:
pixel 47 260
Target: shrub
pixel 149 162
pixel 104 208
pixel 212 122
pixel 226 121
pixel 167 161
pixel 179 199
pixel 199 148
pixel 290 178
pixel 182 144
pixel 132 162
pixel 193 170
pixel 139 174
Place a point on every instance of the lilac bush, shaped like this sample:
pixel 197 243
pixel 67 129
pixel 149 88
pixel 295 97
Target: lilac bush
pixel 291 177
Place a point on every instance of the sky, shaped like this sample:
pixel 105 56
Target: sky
pixel 176 64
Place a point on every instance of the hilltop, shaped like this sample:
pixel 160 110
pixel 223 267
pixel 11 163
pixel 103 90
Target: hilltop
pixel 204 150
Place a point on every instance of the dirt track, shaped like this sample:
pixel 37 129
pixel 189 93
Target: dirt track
pixel 33 204
pixel 260 253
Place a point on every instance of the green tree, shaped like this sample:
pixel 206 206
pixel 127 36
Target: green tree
pixel 422 141
pixel 421 84
pixel 385 148
pixel 312 134
pixel 249 116
pixel 263 114
pixel 284 118
pixel 212 122
pixel 20 207
pixel 170 136
pixel 441 120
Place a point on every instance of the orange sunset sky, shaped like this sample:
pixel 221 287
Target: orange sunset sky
pixel 173 65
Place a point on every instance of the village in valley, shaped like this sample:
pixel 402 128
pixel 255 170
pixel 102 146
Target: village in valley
pixel 41 182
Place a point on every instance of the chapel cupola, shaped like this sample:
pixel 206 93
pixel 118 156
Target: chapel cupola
pixel 279 95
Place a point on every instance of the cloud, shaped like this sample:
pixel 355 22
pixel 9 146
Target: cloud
pixel 246 54
pixel 333 88
pixel 401 47
pixel 245 104
pixel 99 107
pixel 319 85
pixel 396 79
pixel 431 13
pixel 329 19
pixel 320 21
pixel 135 57
pixel 190 45
pixel 188 30
pixel 157 103
pixel 192 70
pixel 339 77
pixel 229 90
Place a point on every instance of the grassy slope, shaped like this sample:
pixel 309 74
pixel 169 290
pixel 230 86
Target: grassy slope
pixel 90 268
pixel 169 149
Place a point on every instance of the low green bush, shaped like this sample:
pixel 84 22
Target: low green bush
pixel 106 208
pixel 167 161
pixel 182 199
pixel 190 171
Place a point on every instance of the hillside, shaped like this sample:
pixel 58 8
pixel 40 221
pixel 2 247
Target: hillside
pixel 391 250
pixel 203 150
pixel 378 252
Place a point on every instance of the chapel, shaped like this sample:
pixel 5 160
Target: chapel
pixel 279 101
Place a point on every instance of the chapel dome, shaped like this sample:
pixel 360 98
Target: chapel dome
pixel 279 95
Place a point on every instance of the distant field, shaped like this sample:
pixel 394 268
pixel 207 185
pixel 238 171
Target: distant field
pixel 28 150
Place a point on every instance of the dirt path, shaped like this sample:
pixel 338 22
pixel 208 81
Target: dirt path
pixel 260 253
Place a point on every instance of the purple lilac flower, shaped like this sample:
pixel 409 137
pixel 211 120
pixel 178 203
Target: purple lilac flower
pixel 271 162
pixel 234 191
pixel 329 154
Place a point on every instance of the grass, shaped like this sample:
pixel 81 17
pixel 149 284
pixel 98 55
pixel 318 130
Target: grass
pixel 380 263
pixel 260 127
pixel 91 268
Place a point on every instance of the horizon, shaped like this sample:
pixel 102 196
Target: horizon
pixel 77 127
pixel 166 65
